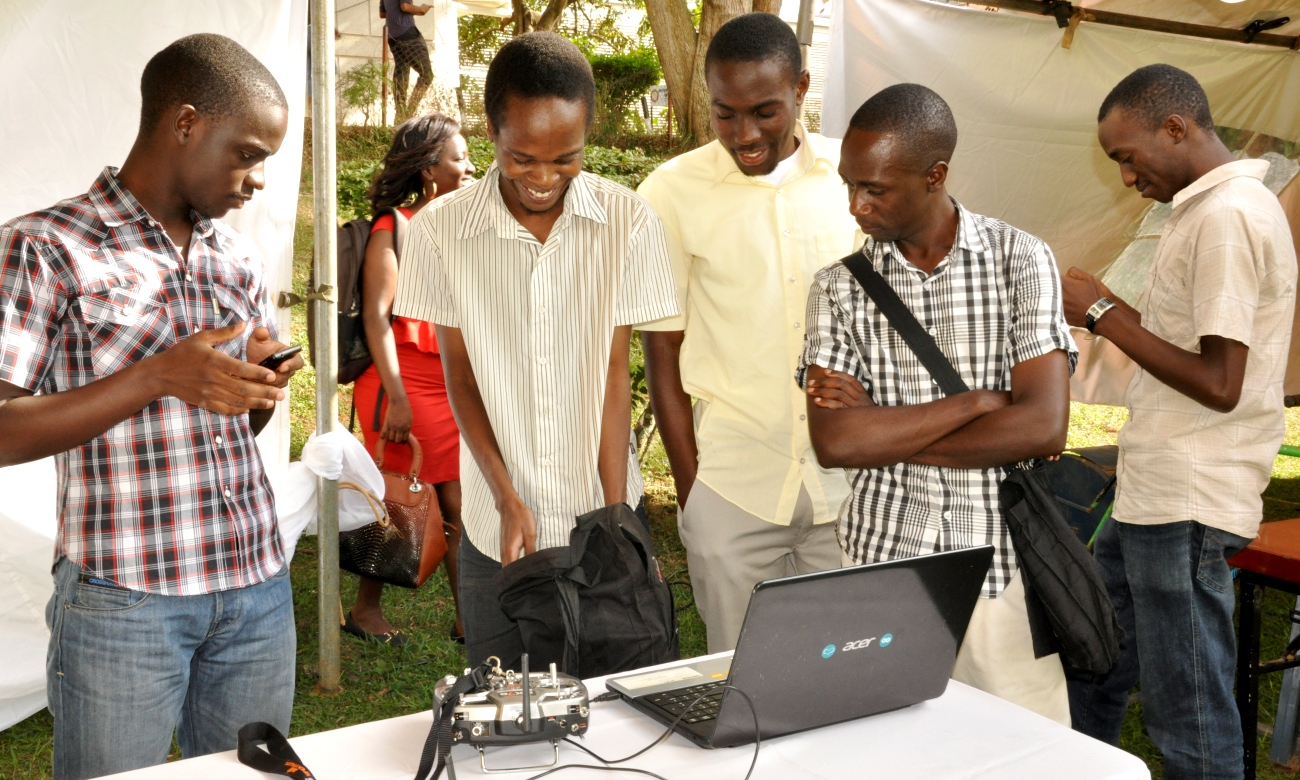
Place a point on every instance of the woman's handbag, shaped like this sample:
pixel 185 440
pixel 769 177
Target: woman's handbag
pixel 407 541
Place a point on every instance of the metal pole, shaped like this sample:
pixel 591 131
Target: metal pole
pixel 804 30
pixel 383 88
pixel 324 175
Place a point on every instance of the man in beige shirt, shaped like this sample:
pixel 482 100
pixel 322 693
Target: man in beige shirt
pixel 1205 418
pixel 750 218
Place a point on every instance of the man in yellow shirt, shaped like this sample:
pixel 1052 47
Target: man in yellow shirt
pixel 750 218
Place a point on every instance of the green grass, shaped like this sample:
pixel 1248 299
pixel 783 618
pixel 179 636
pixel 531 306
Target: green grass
pixel 380 682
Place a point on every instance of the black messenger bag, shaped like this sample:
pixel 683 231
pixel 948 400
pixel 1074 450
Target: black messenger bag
pixel 597 606
pixel 1069 609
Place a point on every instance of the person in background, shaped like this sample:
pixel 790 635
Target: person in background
pixel 926 467
pixel 535 275
pixel 405 386
pixel 750 218
pixel 134 324
pixel 1205 419
pixel 410 53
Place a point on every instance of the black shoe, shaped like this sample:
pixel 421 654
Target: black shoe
pixel 395 638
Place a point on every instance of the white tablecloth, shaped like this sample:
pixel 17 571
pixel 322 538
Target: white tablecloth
pixel 965 733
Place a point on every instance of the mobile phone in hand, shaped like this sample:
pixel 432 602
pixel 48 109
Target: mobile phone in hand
pixel 274 361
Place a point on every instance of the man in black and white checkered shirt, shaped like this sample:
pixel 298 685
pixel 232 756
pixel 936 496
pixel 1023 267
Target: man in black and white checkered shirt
pixel 925 468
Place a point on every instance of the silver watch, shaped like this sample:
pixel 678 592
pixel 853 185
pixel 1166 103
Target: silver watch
pixel 1095 311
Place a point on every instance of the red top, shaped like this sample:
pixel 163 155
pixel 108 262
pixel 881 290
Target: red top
pixel 417 333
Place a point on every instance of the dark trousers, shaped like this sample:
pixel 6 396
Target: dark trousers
pixel 488 631
pixel 410 53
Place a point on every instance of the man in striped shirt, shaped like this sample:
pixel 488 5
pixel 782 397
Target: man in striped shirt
pixel 925 468
pixel 131 325
pixel 534 276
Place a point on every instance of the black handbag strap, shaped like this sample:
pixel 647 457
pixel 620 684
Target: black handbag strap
pixel 905 324
pixel 437 746
pixel 277 759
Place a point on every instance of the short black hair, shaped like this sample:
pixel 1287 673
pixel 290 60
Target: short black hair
pixel 1154 93
pixel 756 37
pixel 210 72
pixel 915 115
pixel 538 64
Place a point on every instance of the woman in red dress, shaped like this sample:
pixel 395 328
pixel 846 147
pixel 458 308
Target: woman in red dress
pixel 429 158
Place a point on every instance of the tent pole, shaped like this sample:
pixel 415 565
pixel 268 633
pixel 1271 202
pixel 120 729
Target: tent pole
pixel 324 312
pixel 1155 25
pixel 804 30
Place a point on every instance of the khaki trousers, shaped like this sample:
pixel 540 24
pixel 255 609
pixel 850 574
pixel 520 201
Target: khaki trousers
pixel 997 656
pixel 729 551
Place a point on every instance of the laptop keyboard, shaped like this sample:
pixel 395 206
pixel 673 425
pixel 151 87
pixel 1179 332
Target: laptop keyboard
pixel 675 702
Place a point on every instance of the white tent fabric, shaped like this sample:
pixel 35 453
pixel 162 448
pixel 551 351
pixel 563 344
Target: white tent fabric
pixel 69 82
pixel 1026 108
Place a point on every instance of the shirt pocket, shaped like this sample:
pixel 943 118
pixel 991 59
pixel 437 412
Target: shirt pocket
pixel 124 325
pixel 832 246
pixel 1168 311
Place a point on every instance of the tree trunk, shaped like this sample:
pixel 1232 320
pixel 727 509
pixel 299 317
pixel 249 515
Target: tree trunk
pixel 681 51
pixel 523 17
pixel 551 16
pixel 675 38
pixel 714 14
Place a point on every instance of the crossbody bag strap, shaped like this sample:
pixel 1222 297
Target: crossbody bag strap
pixel 905 324
pixel 277 759
pixel 401 225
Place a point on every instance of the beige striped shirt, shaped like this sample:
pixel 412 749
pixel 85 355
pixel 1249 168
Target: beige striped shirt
pixel 538 320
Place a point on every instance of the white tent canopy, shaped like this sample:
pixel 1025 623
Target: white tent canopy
pixel 1026 107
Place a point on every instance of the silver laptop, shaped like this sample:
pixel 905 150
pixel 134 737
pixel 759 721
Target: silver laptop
pixel 823 648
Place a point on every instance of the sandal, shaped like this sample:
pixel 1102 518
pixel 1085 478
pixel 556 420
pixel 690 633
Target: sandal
pixel 395 638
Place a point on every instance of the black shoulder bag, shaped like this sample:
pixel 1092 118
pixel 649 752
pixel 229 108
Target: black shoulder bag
pixel 1069 609
pixel 596 606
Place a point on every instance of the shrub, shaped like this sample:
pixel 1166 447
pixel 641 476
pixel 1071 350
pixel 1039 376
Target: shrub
pixel 354 180
pixel 628 167
pixel 360 89
pixel 621 79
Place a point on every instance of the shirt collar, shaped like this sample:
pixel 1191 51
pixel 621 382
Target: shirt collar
pixel 1255 169
pixel 487 209
pixel 724 165
pixel 968 238
pixel 116 205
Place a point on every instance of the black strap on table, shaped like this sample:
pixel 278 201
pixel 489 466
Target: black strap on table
pixel 437 746
pixel 277 759
pixel 904 322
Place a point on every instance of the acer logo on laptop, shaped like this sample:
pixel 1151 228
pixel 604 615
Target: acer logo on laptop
pixel 883 641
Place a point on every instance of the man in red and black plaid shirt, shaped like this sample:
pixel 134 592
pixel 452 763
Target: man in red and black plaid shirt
pixel 132 323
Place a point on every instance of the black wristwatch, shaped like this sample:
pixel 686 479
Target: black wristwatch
pixel 1095 311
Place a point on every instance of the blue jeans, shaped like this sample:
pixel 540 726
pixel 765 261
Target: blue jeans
pixel 126 668
pixel 1172 590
